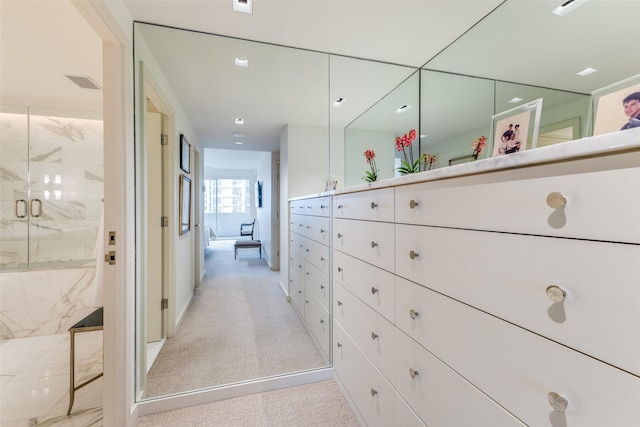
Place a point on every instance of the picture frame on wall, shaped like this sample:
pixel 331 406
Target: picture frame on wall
pixel 616 107
pixel 185 205
pixel 258 194
pixel 185 154
pixel 516 129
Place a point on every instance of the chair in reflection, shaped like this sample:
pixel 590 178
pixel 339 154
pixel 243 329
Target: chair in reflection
pixel 246 229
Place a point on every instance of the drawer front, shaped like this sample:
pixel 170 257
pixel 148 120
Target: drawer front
pixel 404 415
pixel 319 206
pixel 516 368
pixel 296 291
pixel 317 228
pixel 371 393
pixel 374 286
pixel 374 205
pixel 372 332
pixel 508 275
pixel 296 242
pixel 317 283
pixel 369 241
pixel 317 319
pixel 438 394
pixel 317 254
pixel 520 205
pixel 297 266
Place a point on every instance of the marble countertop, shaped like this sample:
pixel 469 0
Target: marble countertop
pixel 596 145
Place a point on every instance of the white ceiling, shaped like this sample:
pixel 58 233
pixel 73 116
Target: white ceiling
pixel 519 41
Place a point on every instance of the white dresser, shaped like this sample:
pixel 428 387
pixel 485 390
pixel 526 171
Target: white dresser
pixel 310 266
pixel 493 297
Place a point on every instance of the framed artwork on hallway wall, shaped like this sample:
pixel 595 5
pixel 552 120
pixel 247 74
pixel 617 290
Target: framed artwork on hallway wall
pixel 185 204
pixel 185 154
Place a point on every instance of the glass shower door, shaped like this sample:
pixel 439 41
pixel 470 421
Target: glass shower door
pixel 14 188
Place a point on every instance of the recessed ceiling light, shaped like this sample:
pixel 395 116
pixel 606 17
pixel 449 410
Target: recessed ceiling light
pixel 240 121
pixel 244 6
pixel 568 6
pixel 338 102
pixel 403 108
pixel 242 62
pixel 514 100
pixel 586 71
pixel 238 134
pixel 238 142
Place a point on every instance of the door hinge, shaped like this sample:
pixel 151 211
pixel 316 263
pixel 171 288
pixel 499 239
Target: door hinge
pixel 164 139
pixel 164 221
pixel 164 303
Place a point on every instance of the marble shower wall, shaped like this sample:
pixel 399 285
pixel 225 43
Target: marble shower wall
pixel 53 161
pixel 34 303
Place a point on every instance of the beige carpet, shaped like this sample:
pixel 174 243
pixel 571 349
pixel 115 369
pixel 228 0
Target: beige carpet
pixel 239 327
pixel 312 405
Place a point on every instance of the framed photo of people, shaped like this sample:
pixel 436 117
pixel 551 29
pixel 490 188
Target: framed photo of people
pixel 616 107
pixel 516 129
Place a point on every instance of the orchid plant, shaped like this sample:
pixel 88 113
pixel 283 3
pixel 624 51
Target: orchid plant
pixel 430 160
pixel 371 175
pixel 408 165
pixel 478 145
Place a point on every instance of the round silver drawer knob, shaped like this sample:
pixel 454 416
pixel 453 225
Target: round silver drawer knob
pixel 374 392
pixel 556 293
pixel 374 205
pixel 340 206
pixel 413 204
pixel 556 200
pixel 338 344
pixel 413 373
pixel 373 244
pixel 339 303
pixel 339 269
pixel 339 235
pixel 413 255
pixel 374 335
pixel 374 290
pixel 557 402
pixel 413 314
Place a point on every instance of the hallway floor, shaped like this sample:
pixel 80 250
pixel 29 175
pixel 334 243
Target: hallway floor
pixel 34 381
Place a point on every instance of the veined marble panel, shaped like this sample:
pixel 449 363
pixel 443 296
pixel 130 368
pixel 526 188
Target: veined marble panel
pixel 35 303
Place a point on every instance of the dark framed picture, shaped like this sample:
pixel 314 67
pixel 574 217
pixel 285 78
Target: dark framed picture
pixel 185 154
pixel 185 205
pixel 258 194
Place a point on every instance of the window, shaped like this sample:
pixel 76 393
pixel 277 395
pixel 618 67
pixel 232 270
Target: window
pixel 223 195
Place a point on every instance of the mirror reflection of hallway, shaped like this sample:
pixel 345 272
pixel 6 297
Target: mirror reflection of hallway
pixel 239 327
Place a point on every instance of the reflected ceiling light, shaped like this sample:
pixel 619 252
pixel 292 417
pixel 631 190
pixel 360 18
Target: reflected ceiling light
pixel 244 6
pixel 242 62
pixel 238 134
pixel 338 102
pixel 238 142
pixel 423 136
pixel 567 7
pixel 240 121
pixel 586 71
pixel 403 108
pixel 514 100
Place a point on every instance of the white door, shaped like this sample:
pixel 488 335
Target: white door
pixel 153 226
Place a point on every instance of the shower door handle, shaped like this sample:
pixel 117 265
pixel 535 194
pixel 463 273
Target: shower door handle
pixel 24 204
pixel 39 202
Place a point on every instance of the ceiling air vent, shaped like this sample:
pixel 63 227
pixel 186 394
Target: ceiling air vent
pixel 83 81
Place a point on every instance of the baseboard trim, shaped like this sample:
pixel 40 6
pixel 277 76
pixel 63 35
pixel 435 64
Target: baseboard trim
pixel 169 403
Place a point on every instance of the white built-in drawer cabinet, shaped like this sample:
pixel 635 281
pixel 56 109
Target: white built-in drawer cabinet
pixel 309 266
pixel 507 298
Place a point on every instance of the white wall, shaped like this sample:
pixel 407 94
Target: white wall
pixel 263 214
pixel 308 159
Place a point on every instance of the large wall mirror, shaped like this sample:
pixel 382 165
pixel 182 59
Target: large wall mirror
pixel 286 88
